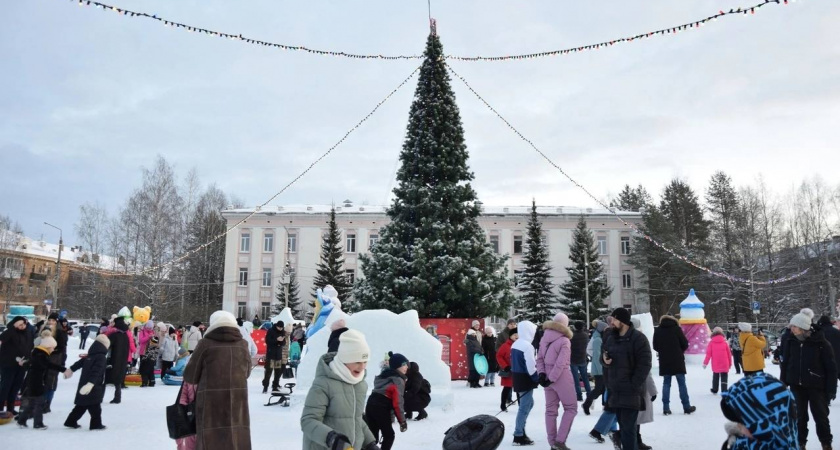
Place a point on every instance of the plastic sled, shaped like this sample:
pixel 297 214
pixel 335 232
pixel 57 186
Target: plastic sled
pixel 133 380
pixel 476 433
pixel 481 365
pixel 172 380
pixel 281 396
pixel 5 417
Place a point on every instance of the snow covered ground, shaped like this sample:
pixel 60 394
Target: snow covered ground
pixel 140 419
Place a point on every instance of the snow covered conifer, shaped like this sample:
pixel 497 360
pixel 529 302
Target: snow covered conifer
pixel 537 301
pixel 573 291
pixel 295 303
pixel 433 256
pixel 331 266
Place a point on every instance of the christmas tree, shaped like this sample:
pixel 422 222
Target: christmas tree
pixel 537 301
pixel 295 303
pixel 433 256
pixel 331 266
pixel 582 251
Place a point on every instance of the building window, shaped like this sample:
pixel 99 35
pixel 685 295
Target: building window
pixel 626 280
pixel 351 275
pixel 240 310
pixel 31 290
pixel 20 289
pixel 266 280
pixel 602 245
pixel 245 242
pixel 268 243
pixel 625 245
pixel 243 276
pixel 629 308
pixel 517 244
pixel 351 243
pixel 37 290
pixel 265 310
pixel 291 243
pixel 494 242
pixel 374 238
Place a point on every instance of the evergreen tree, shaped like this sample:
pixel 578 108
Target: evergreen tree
pixel 295 302
pixel 724 207
pixel 658 281
pixel 331 266
pixel 632 199
pixel 537 301
pixel 433 256
pixel 573 300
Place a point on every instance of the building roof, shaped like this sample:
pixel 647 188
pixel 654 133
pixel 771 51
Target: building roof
pixel 32 247
pixel 349 208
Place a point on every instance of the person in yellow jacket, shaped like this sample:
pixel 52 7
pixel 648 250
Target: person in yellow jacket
pixel 753 347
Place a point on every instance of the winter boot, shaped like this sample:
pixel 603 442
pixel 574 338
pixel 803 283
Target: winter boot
pixel 422 415
pixel 522 440
pixel 724 387
pixel 615 437
pixel 666 412
pixel 597 436
pixel 641 445
pixel 586 405
pixel 826 446
pixel 265 388
pixel 72 425
pixel 559 446
pixel 690 409
pixel 409 415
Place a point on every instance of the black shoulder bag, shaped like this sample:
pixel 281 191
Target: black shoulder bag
pixel 180 419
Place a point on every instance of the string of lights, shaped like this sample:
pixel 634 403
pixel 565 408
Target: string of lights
pixel 288 185
pixel 631 225
pixel 672 30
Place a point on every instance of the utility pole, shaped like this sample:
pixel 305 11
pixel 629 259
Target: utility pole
pixel 57 266
pixel 586 282
pixel 286 281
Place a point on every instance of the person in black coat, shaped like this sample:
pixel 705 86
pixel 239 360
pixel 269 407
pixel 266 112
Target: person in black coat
pixel 91 385
pixel 488 346
pixel 670 344
pixel 84 332
pixel 118 359
pixel 15 345
pixel 832 335
pixel 34 387
pixel 627 363
pixel 417 393
pixel 809 368
pixel 578 362
pixel 275 340
pixel 473 348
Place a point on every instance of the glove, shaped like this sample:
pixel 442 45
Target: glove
pixel 507 369
pixel 704 366
pixel 403 427
pixel 372 446
pixel 544 381
pixel 653 399
pixel 337 441
pixel 85 390
pixel 68 373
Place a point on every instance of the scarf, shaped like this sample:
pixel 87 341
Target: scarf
pixel 344 373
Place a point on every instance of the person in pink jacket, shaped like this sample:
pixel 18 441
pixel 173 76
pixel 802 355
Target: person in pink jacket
pixel 553 360
pixel 718 352
pixel 145 335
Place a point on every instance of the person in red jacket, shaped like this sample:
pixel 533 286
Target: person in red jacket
pixel 503 358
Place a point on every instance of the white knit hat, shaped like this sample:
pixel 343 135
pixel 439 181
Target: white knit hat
pixel 221 319
pixel 48 342
pixel 808 312
pixel 801 320
pixel 744 326
pixel 103 339
pixel 352 347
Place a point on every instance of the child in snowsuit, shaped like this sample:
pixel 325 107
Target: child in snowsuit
pixel 524 371
pixel 91 385
pixel 148 362
pixel 33 400
pixel 720 354
pixel 387 399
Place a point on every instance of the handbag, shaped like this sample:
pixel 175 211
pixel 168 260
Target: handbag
pixel 180 419
pixel 288 372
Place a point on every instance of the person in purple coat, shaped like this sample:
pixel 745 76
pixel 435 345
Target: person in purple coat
pixel 553 365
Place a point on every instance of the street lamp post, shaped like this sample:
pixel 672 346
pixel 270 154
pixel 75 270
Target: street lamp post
pixel 586 282
pixel 57 265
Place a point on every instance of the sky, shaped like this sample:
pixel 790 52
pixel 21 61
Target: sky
pixel 90 97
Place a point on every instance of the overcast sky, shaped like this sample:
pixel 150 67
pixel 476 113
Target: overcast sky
pixel 89 97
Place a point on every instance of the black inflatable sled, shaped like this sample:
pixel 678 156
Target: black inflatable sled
pixel 476 433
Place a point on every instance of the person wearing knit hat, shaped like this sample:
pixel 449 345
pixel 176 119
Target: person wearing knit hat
pixel 148 360
pixel 808 367
pixel 488 346
pixel 670 345
pixel 34 400
pixel 622 315
pixel 334 406
pixel 578 360
pixel 387 400
pixel 553 366
pixel 476 325
pixel 473 347
pixel 752 349
pixel 504 336
pixel 168 350
pixel 16 347
pixel 91 387
pixel 276 355
pixel 218 369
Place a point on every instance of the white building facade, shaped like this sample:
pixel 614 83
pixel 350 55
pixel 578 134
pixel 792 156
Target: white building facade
pixel 257 251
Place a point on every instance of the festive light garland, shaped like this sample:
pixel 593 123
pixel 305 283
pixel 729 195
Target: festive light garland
pixel 289 184
pixel 750 10
pixel 633 226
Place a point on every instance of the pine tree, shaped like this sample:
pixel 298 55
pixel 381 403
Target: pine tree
pixel 632 199
pixel 724 208
pixel 295 302
pixel 331 266
pixel 433 256
pixel 573 300
pixel 537 301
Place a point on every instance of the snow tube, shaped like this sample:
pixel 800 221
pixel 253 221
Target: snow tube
pixel 5 417
pixel 480 363
pixel 173 380
pixel 133 380
pixel 476 433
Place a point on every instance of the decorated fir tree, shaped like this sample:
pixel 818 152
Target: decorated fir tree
pixel 331 266
pixel 583 250
pixel 537 301
pixel 433 256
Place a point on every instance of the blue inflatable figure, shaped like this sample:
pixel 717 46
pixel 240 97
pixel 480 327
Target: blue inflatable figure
pixel 325 302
